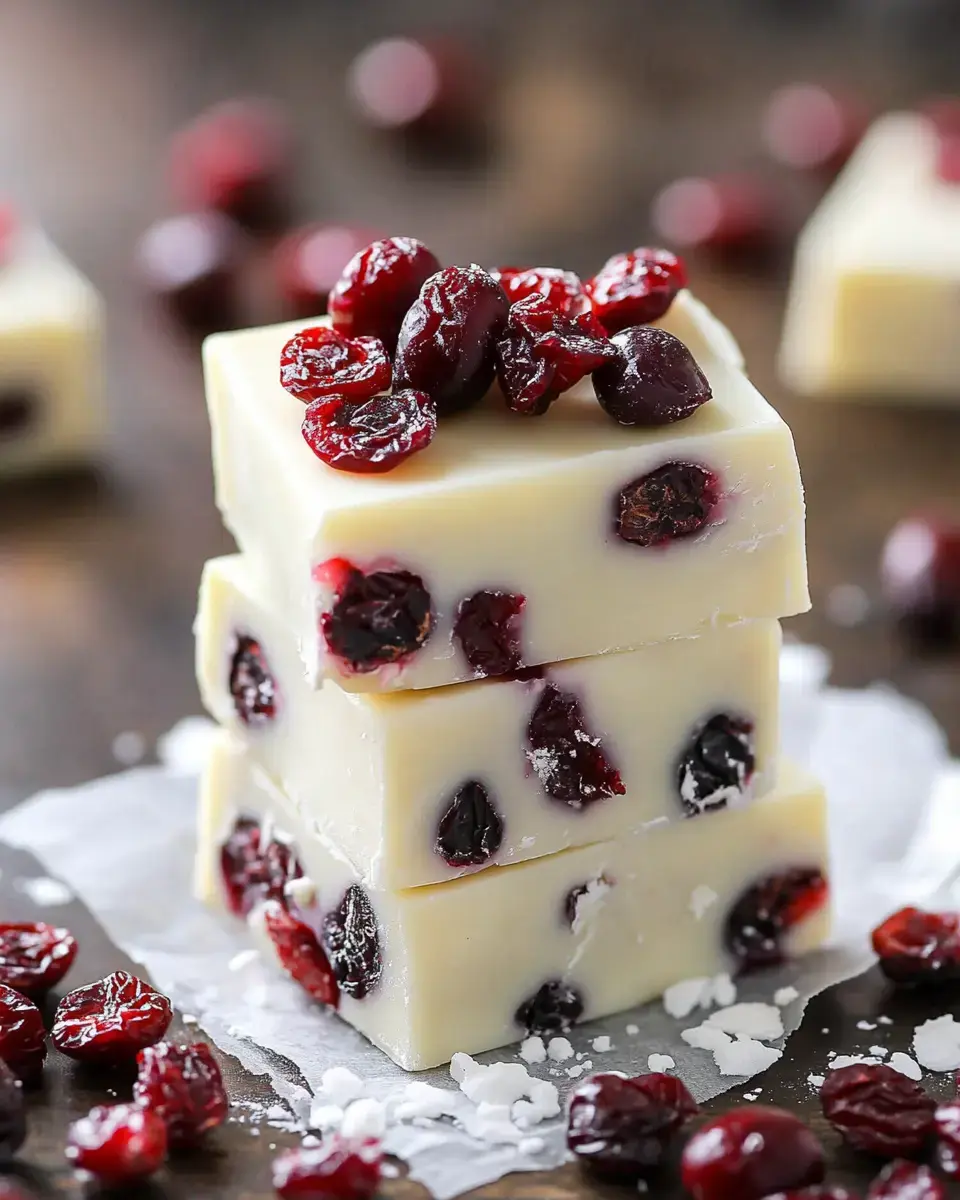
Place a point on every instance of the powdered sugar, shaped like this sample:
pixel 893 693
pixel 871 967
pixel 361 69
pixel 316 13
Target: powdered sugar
pixel 905 1065
pixel 936 1043
pixel 660 1062
pixel 752 1019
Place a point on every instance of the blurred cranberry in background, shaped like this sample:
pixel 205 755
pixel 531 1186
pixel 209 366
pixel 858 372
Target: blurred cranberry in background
pixel 808 128
pixel 235 158
pixel 920 576
pixel 9 224
pixel 309 261
pixel 191 264
pixel 944 112
pixel 735 214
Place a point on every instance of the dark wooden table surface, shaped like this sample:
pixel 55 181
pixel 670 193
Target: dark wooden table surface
pixel 592 107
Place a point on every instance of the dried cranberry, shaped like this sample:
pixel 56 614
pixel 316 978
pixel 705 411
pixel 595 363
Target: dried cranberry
pixel 728 214
pixel 487 626
pixel 110 1020
pixel 309 261
pixel 920 576
pixel 376 618
pixel 877 1109
pixel 9 225
pixel 184 1087
pixel 569 761
pixel 543 353
pixel 338 1169
pixel 653 380
pixel 34 957
pixel 716 765
pixel 809 128
pixel 317 363
pixel 919 947
pixel 351 939
pixel 901 1180
pixel 252 683
pixel 191 264
pixel 948 157
pixel 446 345
pixel 571 902
pixel 620 1128
pixel 370 436
pixel 762 916
pixel 20 411
pixel 636 287
pixel 561 288
pixel 300 954
pixel 750 1152
pixel 22 1035
pixel 471 830
pixel 118 1143
pixel 378 286
pixel 946 1121
pixel 252 872
pixel 13 1113
pixel 819 1191
pixel 675 501
pixel 553 1008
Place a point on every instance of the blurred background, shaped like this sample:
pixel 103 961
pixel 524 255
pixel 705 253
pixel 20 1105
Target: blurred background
pixel 529 132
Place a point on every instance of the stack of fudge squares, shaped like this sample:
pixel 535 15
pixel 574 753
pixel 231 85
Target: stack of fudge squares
pixel 497 667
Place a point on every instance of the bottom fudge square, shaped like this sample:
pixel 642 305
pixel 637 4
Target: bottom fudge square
pixel 479 962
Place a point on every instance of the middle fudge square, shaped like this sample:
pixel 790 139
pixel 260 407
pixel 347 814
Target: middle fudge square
pixel 511 542
pixel 418 787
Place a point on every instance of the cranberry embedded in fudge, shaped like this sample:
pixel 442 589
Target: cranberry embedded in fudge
pixel 378 286
pixel 320 363
pixel 252 684
pixel 635 288
pixel 300 953
pixel 487 627
pixel 369 437
pixel 766 912
pixel 554 1008
pixel 675 501
pixel 561 288
pixel 653 379
pixel 569 761
pixel 717 764
pixel 471 829
pixel 351 938
pixel 253 872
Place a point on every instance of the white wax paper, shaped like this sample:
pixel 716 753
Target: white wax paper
pixel 125 846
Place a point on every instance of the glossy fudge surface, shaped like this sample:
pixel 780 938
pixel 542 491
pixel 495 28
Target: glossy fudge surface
pixel 872 310
pixel 519 505
pixel 452 967
pixel 51 410
pixel 417 787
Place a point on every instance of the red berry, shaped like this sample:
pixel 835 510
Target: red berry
pixel 183 1086
pixel 9 225
pixel 34 957
pixel 809 128
pixel 376 618
pixel 553 1008
pixel 944 113
pixel 919 947
pixel 253 873
pixel 563 289
pixel 946 1121
pixel 765 913
pixel 351 938
pixel 190 263
pixel 447 341
pixel 877 1109
pixel 338 1169
pixel 635 288
pixel 235 158
pixel 251 683
pixel 110 1020
pixel 716 765
pixel 487 626
pixel 750 1152
pixel 22 1035
pixel 300 954
pixel 732 213
pixel 675 501
pixel 13 1113
pixel 118 1143
pixel 920 575
pixel 542 353
pixel 901 1180
pixel 819 1191
pixel 378 285
pixel 309 261
pixel 570 762
pixel 653 379
pixel 620 1128
pixel 471 830
pixel 370 436
pixel 317 362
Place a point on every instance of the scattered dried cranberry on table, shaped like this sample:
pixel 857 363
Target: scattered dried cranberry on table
pixel 13 1113
pixel 117 1143
pixel 22 1035
pixel 183 1086
pixel 109 1021
pixel 878 1109
pixel 919 947
pixel 946 1121
pixel 34 956
pixel 900 1180
pixel 338 1169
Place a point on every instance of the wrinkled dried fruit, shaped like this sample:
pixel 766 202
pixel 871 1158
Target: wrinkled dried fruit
pixel 34 957
pixel 22 1035
pixel 13 1113
pixel 919 947
pixel 569 761
pixel 877 1109
pixel 318 362
pixel 561 288
pixel 184 1087
pixel 338 1169
pixel 766 912
pixel 717 764
pixel 901 1180
pixel 750 1152
pixel 620 1128
pixel 371 436
pixel 487 627
pixel 378 286
pixel 252 683
pixel 118 1143
pixel 301 954
pixel 110 1020
pixel 351 938
pixel 471 830
pixel 946 1121
pixel 651 379
pixel 253 873
pixel 819 1191
pixel 635 288
pixel 675 501
pixel 447 341
pixel 554 1008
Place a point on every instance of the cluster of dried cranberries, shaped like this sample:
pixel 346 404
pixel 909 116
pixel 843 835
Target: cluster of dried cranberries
pixel 450 331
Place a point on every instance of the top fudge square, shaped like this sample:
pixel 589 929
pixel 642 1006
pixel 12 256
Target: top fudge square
pixel 511 540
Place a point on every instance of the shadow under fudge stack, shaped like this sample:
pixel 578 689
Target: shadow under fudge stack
pixel 497 667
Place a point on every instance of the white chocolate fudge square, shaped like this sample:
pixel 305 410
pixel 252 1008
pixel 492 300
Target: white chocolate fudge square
pixel 874 304
pixel 414 788
pixel 475 963
pixel 51 412
pixel 503 505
